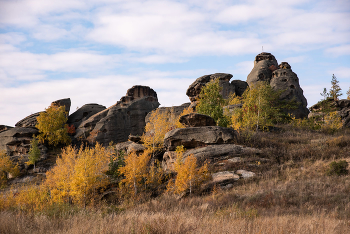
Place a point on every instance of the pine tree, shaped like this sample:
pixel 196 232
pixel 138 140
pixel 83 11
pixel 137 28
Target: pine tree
pixel 34 152
pixel 211 103
pixel 335 90
pixel 52 126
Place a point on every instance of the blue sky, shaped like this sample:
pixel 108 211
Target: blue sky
pixel 94 50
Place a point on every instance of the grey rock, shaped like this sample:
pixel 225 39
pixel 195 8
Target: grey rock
pixel 264 65
pixel 196 120
pixel 16 141
pixel 193 137
pixel 245 174
pixel 4 128
pixel 120 120
pixel 123 146
pixel 240 86
pixel 230 109
pixel 224 177
pixel 83 113
pixel 280 77
pixel 136 139
pixel 134 147
pixel 29 121
pixel 195 88
pixel 285 79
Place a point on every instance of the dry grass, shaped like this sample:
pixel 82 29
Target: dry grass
pixel 175 222
pixel 291 194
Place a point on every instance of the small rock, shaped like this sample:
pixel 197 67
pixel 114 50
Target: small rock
pixel 245 174
pixel 224 176
pixel 235 159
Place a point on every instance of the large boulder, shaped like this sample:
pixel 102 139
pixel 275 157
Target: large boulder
pixel 193 137
pixel 117 122
pixel 196 120
pixel 280 77
pixel 16 141
pixel 83 113
pixel 195 88
pixel 210 154
pixel 285 79
pixel 344 111
pixel 29 121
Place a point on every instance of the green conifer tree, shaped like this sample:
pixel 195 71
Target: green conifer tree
pixel 34 152
pixel 335 90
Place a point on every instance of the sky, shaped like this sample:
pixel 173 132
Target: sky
pixel 93 51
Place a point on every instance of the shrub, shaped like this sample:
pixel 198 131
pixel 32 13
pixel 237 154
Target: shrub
pixel 338 168
pixel 7 167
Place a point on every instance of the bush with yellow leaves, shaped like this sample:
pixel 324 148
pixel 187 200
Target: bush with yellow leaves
pixel 7 167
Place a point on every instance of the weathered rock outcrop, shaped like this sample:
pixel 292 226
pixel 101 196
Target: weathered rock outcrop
pixel 83 113
pixel 210 153
pixel 16 141
pixel 4 128
pixel 117 122
pixel 29 121
pixel 344 111
pixel 193 137
pixel 285 79
pixel 197 120
pixel 228 88
pixel 280 77
pixel 173 112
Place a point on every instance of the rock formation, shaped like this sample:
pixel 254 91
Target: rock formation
pixel 280 77
pixel 235 87
pixel 83 113
pixel 193 137
pixel 117 122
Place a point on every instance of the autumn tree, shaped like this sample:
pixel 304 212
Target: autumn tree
pixel 188 175
pixel 7 167
pixel 324 94
pixel 335 90
pixel 52 126
pixel 261 107
pixel 348 94
pixel 159 123
pixel 34 152
pixel 211 103
pixel 78 174
pixel 135 171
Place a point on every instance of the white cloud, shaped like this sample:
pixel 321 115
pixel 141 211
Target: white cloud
pixel 243 67
pixel 104 90
pixel 339 50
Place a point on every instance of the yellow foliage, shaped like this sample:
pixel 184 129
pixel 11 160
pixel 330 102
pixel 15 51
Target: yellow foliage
pixel 332 122
pixel 78 174
pixel 52 126
pixel 158 125
pixel 189 176
pixel 7 167
pixel 135 171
